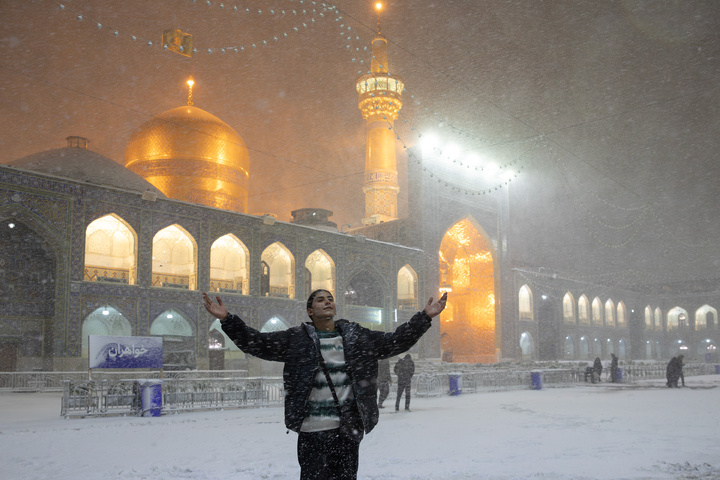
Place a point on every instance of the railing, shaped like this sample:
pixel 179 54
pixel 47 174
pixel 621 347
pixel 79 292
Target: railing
pixel 123 397
pixel 54 381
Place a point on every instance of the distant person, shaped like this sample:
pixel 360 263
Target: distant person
pixel 614 368
pixel 674 372
pixel 404 369
pixel 384 381
pixel 324 450
pixel 597 367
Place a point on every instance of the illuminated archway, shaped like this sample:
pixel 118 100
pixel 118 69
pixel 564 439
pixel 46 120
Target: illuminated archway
pixel 229 265
pixel 407 288
pixel 174 258
pixel 467 267
pixel 110 251
pixel 278 268
pixel 321 268
pixel 104 321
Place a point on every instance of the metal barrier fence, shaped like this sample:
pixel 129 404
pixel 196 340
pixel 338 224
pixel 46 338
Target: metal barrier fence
pixel 123 397
pixel 54 381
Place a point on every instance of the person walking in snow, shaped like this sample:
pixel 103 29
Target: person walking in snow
pixel 597 368
pixel 384 381
pixel 404 369
pixel 614 368
pixel 674 372
pixel 349 353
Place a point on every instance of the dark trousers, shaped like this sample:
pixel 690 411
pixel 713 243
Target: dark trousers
pixel 327 455
pixel 384 390
pixel 403 387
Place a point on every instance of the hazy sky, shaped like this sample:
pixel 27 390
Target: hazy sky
pixel 608 112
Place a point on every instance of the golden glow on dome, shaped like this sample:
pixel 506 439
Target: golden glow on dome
pixel 191 155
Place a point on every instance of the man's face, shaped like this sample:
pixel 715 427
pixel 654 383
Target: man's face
pixel 323 306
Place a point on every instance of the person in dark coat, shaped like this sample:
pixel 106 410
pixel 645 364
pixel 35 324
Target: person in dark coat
pixel 404 369
pixel 674 372
pixel 351 353
pixel 597 367
pixel 613 368
pixel 384 381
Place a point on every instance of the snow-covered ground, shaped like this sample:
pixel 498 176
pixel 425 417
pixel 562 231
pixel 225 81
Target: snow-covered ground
pixel 640 431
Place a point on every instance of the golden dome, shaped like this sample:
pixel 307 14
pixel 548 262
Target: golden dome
pixel 191 155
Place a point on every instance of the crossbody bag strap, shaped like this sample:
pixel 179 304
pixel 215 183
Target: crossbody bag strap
pixel 321 360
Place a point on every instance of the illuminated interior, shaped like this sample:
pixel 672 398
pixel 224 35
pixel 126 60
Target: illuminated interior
pixel 525 303
pixel 174 259
pixel 609 313
pixel 407 288
pixel 110 251
pixel 597 312
pixel 278 268
pixel 569 308
pixel 467 269
pixel 322 271
pixel 229 265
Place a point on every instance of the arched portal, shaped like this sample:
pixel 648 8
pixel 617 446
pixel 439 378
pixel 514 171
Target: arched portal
pixel 105 320
pixel 28 266
pixel 178 340
pixel 467 267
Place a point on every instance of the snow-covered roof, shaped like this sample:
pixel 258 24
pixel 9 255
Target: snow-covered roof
pixel 84 165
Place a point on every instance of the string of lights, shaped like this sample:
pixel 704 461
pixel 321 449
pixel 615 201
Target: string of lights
pixel 316 14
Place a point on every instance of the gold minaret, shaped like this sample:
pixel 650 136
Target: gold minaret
pixel 380 100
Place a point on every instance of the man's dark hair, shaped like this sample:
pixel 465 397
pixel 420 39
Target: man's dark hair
pixel 313 295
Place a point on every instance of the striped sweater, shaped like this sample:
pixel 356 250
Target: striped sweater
pixel 322 411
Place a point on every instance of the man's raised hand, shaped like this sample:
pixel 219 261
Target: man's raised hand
pixel 217 310
pixel 433 308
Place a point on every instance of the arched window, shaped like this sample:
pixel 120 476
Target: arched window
pixel 275 324
pixel 659 325
pixel 621 315
pixel 621 350
pixel 569 308
pixel 280 264
pixel 525 303
pixel 526 346
pixel 584 348
pixel 705 318
pixel 322 271
pixel 649 319
pixel 178 340
pixel 583 310
pixel 609 313
pixel 105 321
pixel 677 319
pixel 407 285
pixel 229 265
pixel 597 312
pixel 171 323
pixel 110 251
pixel 174 259
pixel 610 346
pixel 597 347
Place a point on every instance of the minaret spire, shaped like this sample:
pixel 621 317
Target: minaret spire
pixel 190 83
pixel 379 101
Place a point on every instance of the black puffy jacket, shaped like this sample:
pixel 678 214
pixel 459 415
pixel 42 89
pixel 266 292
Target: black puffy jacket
pixel 298 348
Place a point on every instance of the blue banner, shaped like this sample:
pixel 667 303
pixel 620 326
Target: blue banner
pixel 124 352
